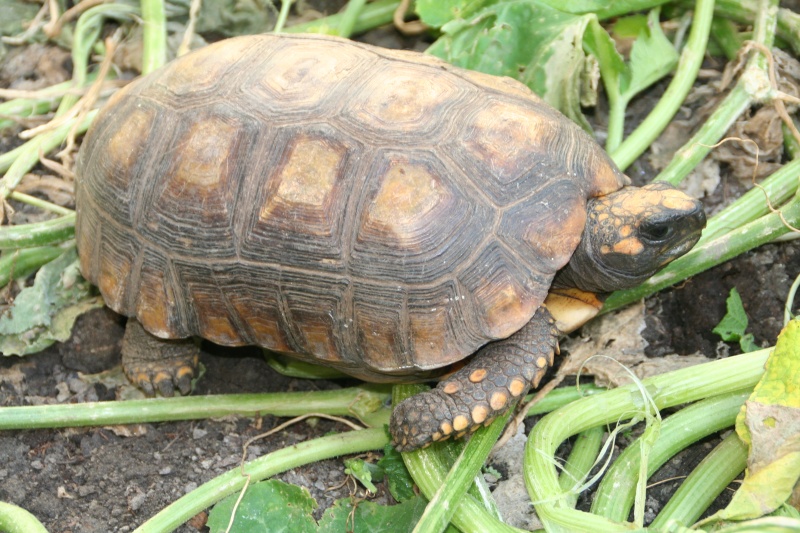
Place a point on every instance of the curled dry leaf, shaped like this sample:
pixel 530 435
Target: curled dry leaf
pixel 618 336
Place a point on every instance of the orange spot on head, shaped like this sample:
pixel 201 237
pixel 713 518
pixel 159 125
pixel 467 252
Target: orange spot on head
pixel 630 246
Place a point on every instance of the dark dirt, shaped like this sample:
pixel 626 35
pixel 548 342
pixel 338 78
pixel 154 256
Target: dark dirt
pixel 113 479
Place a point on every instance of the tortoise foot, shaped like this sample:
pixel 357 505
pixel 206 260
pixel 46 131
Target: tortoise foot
pixel 158 365
pixel 497 377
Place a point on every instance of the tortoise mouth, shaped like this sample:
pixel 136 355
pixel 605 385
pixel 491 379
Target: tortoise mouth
pixel 682 246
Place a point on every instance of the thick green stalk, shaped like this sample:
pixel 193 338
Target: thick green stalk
pixel 154 35
pixel 581 460
pixel 690 154
pixel 373 15
pixel 339 402
pixel 746 11
pixel 19 264
pixel 674 388
pixel 699 490
pixel 87 32
pixel 685 75
pixel 25 107
pixel 779 187
pixel 753 86
pixel 349 16
pixel 615 495
pixel 429 469
pixel 15 519
pixel 562 396
pixel 283 15
pixel 444 503
pixel 22 159
pixel 206 495
pixel 40 203
pixel 44 233
pixel 712 253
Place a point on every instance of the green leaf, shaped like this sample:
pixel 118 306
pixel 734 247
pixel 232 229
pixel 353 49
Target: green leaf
pixel 525 40
pixel 46 311
pixel 629 27
pixel 437 13
pixel 770 424
pixel 371 517
pixel 272 506
pixel 401 486
pixel 733 325
pixel 652 58
pixel 236 17
pixel 364 472
pixel 15 15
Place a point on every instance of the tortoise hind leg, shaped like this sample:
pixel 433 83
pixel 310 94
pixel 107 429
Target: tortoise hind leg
pixel 152 363
pixel 499 374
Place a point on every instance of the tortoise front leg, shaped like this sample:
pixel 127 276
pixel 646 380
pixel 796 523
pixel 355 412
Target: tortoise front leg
pixel 499 374
pixel 155 364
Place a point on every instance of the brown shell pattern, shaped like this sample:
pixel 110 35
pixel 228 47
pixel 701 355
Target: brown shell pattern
pixel 375 210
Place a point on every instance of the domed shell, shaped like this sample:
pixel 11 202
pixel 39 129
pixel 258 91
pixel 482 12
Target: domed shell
pixel 378 211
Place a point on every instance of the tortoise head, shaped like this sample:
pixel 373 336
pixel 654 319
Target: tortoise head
pixel 630 235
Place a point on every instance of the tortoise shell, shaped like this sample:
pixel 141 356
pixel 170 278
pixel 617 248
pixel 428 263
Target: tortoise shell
pixel 377 211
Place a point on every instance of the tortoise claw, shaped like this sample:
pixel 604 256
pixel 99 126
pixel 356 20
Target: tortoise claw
pixel 157 365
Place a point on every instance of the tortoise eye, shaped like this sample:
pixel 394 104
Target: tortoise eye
pixel 655 231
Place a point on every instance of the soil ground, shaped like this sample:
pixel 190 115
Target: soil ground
pixel 112 479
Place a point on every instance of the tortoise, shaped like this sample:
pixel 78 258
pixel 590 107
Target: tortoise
pixel 380 212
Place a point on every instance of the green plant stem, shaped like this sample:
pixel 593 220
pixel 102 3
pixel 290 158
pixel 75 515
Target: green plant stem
pixel 685 75
pixel 674 388
pixel 429 469
pixel 44 233
pixel 339 402
pixel 790 143
pixel 746 11
pixel 276 462
pixel 779 187
pixel 15 519
pixel 725 34
pixel 787 308
pixel 26 107
pixel 699 490
pixel 41 204
pixel 444 503
pixel 712 253
pixel 562 396
pixel 19 264
pixel 690 154
pixel 752 86
pixel 283 14
pixel 615 495
pixel 373 15
pixel 154 35
pixel 87 32
pixel 581 460
pixel 349 17
pixel 21 160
